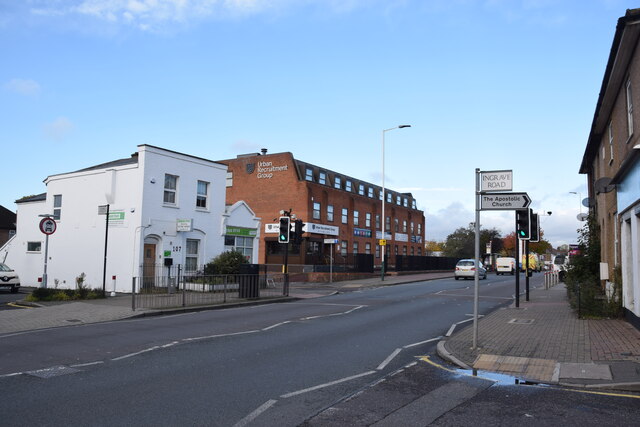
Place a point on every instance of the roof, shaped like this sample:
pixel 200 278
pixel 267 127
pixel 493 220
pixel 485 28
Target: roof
pixel 622 48
pixel 7 219
pixel 121 162
pixel 36 198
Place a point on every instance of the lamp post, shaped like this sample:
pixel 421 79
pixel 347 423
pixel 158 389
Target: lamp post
pixel 580 196
pixel 383 222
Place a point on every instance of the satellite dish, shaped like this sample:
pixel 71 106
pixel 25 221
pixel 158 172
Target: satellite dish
pixel 582 216
pixel 587 202
pixel 603 185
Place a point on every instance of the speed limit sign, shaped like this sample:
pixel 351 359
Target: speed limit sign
pixel 48 225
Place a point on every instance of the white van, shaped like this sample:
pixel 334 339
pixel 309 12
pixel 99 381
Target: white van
pixel 506 265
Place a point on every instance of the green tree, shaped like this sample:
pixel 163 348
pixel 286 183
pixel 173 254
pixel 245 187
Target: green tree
pixel 461 243
pixel 225 263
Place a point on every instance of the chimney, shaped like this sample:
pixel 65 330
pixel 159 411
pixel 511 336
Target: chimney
pixel 263 151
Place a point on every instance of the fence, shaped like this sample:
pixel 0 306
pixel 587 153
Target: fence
pixel 551 278
pixel 420 263
pixel 168 287
pixel 351 263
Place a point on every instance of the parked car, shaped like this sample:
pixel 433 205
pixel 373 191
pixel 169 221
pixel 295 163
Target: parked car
pixel 9 279
pixel 506 265
pixel 466 268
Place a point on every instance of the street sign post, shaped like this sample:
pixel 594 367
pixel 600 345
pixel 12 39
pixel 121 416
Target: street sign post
pixel 496 181
pixel 504 201
pixel 47 226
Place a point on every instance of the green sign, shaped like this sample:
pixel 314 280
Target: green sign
pixel 116 216
pixel 167 254
pixel 240 231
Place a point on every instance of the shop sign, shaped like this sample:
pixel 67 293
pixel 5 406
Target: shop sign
pixel 183 225
pixel 416 239
pixel 387 235
pixel 265 169
pixel 401 237
pixel 240 231
pixel 331 230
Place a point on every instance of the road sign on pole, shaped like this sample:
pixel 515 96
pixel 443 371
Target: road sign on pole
pixel 504 201
pixel 496 181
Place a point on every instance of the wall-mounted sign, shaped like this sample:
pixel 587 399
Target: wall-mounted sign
pixel 184 224
pixel 331 230
pixel 416 239
pixel 362 232
pixel 387 235
pixel 265 169
pixel 240 231
pixel 401 237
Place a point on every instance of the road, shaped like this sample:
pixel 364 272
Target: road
pixel 277 364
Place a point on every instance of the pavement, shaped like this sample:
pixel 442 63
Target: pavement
pixel 542 341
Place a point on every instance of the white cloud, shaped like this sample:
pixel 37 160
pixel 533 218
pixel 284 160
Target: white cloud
pixel 58 129
pixel 23 86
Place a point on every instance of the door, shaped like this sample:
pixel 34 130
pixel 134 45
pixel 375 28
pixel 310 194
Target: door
pixel 149 266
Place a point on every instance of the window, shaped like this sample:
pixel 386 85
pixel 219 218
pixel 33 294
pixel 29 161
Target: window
pixel 377 251
pixel 345 215
pixel 329 212
pixel 610 130
pixel 387 224
pixel 380 196
pixel 361 189
pixel 412 227
pixel 371 192
pixel 413 251
pixel 57 206
pixel 309 175
pixel 343 248
pixel 404 226
pixel 170 189
pixel 348 186
pixel 323 178
pixel 419 229
pixel 396 225
pixel 34 246
pixel 203 191
pixel 229 179
pixel 398 200
pixel 316 210
pixel 191 261
pixel 243 245
pixel 378 222
pixel 395 250
pixel 337 182
pixel 356 218
pixel 404 250
pixel 629 109
pixel 355 247
pixel 389 198
pixel 405 202
pixel 367 220
pixel 413 204
pixel 367 248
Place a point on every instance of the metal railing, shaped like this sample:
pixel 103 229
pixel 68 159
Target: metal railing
pixel 170 287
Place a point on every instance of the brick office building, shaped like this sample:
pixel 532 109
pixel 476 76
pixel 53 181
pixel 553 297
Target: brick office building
pixel 334 206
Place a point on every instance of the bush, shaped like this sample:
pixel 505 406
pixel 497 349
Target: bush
pixel 225 263
pixel 81 292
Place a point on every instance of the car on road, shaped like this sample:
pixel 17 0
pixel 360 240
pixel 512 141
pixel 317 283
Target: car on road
pixel 9 279
pixel 506 265
pixel 466 268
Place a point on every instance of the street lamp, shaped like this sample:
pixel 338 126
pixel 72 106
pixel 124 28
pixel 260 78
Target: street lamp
pixel 580 196
pixel 383 222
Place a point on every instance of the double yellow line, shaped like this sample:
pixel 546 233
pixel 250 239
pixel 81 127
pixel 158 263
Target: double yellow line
pixel 16 305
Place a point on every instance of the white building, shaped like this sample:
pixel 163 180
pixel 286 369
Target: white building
pixel 163 206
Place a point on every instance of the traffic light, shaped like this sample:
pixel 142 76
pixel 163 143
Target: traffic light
pixel 523 225
pixel 535 228
pixel 285 228
pixel 297 233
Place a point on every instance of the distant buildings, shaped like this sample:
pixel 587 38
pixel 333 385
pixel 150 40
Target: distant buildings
pixel 611 162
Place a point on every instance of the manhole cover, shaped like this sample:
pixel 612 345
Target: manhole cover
pixel 521 321
pixel 55 371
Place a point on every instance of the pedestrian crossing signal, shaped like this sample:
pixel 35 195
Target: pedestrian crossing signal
pixel 523 224
pixel 284 230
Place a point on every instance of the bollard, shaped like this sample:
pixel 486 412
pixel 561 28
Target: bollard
pixel 113 292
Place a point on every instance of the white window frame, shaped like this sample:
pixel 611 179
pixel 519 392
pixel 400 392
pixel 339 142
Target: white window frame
pixel 191 258
pixel 345 216
pixel 316 210
pixel 330 213
pixel 337 182
pixel 229 179
pixel 356 218
pixel 309 174
pixel 348 186
pixel 168 191
pixel 57 207
pixel 610 130
pixel 361 189
pixel 629 108
pixel 202 199
pixel 370 193
pixel 322 178
pixel 367 219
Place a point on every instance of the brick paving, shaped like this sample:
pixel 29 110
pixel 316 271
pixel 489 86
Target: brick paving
pixel 544 336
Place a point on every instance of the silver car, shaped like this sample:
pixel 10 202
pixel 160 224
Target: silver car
pixel 466 268
pixel 9 279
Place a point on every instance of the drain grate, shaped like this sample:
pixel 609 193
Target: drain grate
pixel 55 371
pixel 521 321
pixel 74 320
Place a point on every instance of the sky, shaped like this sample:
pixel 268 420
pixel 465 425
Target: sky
pixel 487 84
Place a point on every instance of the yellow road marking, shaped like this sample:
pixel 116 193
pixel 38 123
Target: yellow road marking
pixel 13 304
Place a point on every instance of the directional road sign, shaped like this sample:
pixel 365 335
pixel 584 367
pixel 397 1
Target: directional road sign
pixel 504 201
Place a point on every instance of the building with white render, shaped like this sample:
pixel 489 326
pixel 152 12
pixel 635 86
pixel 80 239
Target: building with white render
pixel 164 206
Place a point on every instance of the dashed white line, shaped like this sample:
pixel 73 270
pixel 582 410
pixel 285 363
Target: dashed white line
pixel 255 414
pixel 342 380
pixel 389 359
pixel 415 344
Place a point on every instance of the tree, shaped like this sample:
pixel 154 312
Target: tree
pixel 432 246
pixel 461 243
pixel 225 263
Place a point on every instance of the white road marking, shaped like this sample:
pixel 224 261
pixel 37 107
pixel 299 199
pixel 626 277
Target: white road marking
pixel 306 390
pixel 255 414
pixel 276 325
pixel 389 359
pixel 81 365
pixel 422 342
pixel 450 331
pixel 220 335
